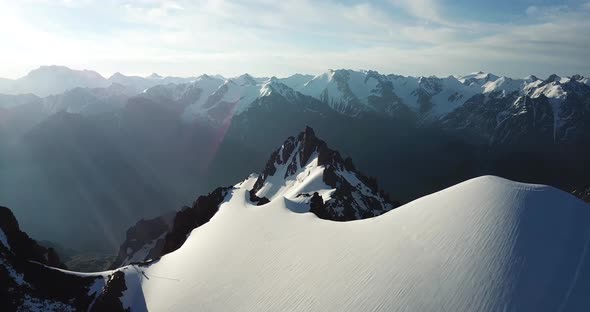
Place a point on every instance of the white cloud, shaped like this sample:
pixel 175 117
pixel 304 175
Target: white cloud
pixel 427 10
pixel 282 37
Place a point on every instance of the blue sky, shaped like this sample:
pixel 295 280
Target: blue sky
pixel 267 37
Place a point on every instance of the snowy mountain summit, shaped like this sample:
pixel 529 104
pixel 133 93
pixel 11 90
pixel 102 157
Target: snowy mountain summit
pixel 487 244
pixel 315 178
pixel 472 247
pixel 304 174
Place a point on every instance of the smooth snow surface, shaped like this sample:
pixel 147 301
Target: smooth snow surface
pixel 487 244
pixel 504 84
pixel 477 78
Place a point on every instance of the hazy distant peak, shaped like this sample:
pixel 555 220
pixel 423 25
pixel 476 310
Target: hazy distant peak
pixel 154 76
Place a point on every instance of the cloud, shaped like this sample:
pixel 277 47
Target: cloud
pixel 546 11
pixel 427 10
pixel 181 37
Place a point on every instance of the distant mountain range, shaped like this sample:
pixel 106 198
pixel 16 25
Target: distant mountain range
pixel 107 152
pixel 555 100
pixel 346 91
pixel 52 80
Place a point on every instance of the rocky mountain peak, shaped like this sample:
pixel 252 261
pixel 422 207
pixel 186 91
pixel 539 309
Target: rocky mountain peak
pixel 296 152
pixel 552 78
pixel 21 245
pixel 306 159
pixel 245 79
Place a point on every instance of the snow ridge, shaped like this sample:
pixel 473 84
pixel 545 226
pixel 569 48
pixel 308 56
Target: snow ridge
pixel 469 247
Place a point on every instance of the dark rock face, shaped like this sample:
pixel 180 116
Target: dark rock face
pixel 259 201
pixel 143 233
pixel 22 245
pixel 317 207
pixel 26 280
pixel 528 138
pixel 582 193
pixel 516 119
pixel 151 239
pixel 109 299
pixel 203 209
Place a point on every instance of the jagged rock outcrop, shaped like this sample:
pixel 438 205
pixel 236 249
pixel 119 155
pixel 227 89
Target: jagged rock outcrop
pixel 28 281
pixel 189 218
pixel 153 238
pixel 553 111
pixel 145 240
pixel 355 195
pixel 24 247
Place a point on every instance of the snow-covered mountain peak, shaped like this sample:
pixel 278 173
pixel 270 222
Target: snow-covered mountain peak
pixel 552 78
pixel 206 77
pixel 581 79
pixel 483 232
pixel 245 80
pixel 503 84
pixel 435 97
pixel 531 78
pixel 305 171
pixel 552 90
pixel 297 81
pixel 276 86
pixel 431 84
pixel 346 91
pixel 477 78
pixel 220 99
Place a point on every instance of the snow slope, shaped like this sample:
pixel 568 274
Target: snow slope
pixel 504 84
pixel 487 244
pixel 477 78
pixel 443 94
pixel 297 81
